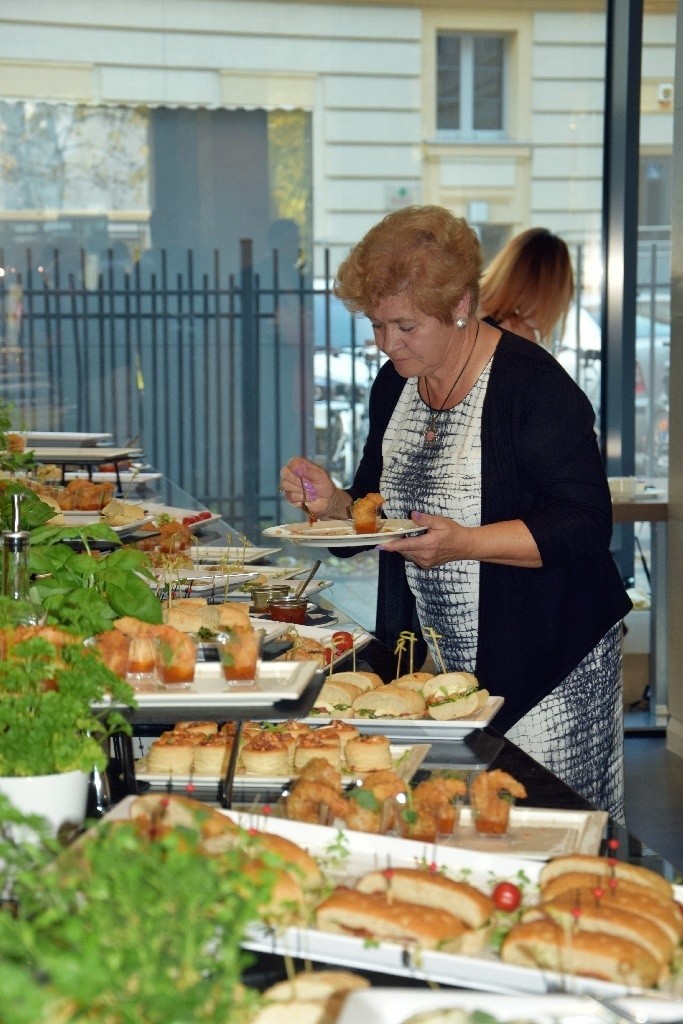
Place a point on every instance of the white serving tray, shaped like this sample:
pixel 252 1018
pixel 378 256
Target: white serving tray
pixel 274 681
pixel 396 1005
pixel 536 832
pixel 425 730
pixel 407 760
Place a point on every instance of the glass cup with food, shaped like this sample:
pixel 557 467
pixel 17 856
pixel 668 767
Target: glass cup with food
pixel 176 657
pixel 239 649
pixel 365 513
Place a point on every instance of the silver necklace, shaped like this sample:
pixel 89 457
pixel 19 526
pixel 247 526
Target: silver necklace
pixel 431 434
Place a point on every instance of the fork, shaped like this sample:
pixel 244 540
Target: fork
pixel 312 517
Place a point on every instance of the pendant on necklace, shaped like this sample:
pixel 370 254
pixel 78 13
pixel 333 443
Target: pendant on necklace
pixel 430 436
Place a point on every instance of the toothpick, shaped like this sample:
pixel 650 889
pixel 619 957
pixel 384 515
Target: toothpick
pixel 435 637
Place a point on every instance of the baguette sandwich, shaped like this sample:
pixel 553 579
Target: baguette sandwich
pixel 547 944
pixel 389 701
pixel 413 680
pixel 451 695
pixel 335 699
pixel 428 889
pixel 375 916
pixel 605 867
pixel 363 680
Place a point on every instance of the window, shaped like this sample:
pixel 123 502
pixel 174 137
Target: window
pixel 470 93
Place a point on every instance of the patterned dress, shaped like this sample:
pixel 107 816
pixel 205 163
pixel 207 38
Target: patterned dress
pixel 585 751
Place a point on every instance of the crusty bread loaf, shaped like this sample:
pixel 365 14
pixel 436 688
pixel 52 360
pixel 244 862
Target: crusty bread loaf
pixel 610 920
pixel 582 887
pixel 546 944
pixel 335 699
pixel 363 680
pixel 184 812
pixel 389 701
pixel 413 680
pixel 430 889
pixel 605 867
pixel 295 859
pixel 373 916
pixel 315 985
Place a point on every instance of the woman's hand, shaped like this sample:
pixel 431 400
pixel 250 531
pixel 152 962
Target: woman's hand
pixel 508 543
pixel 299 476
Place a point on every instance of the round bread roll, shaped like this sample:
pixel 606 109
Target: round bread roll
pixel 413 680
pixel 212 755
pixel 205 728
pixel 390 701
pixel 173 753
pixel 266 754
pixel 363 680
pixel 368 753
pixel 311 746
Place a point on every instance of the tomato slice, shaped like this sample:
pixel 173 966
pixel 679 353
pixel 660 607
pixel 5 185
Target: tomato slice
pixel 506 896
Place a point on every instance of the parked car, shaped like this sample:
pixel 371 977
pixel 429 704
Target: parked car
pixel 584 364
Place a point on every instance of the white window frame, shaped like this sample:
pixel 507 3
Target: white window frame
pixel 467 130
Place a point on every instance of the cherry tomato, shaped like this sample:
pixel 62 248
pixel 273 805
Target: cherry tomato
pixel 342 641
pixel 506 896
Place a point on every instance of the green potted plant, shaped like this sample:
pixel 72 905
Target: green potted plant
pixel 56 712
pixel 127 925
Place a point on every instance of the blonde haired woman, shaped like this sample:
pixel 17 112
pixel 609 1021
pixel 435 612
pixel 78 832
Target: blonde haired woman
pixel 529 285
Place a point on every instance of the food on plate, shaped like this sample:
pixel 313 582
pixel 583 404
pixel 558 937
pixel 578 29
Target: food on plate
pixel 212 754
pixel 344 730
pixel 313 746
pixel 238 650
pixel 413 680
pixel 176 656
pixel 168 537
pixel 315 802
pixel 82 495
pixel 431 889
pixel 122 513
pixel 304 648
pixel 595 916
pixel 452 695
pixel 377 916
pixel 368 753
pixel 506 896
pixel 205 728
pixel 362 680
pixel 311 997
pixel 491 795
pixel 365 513
pixel 297 861
pixel 546 944
pixel 265 754
pixel 173 753
pixel 439 797
pixel 605 868
pixel 168 811
pixel 335 699
pixel 389 701
pixel 113 646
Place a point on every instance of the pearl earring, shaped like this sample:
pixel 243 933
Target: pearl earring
pixel 461 322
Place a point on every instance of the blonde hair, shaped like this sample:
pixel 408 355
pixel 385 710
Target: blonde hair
pixel 422 250
pixel 531 279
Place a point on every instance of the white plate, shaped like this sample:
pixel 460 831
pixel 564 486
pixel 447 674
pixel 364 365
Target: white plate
pixel 339 533
pixel 396 1005
pixel 372 852
pixel 126 476
pixel 323 634
pixel 62 437
pixel 407 760
pixel 93 518
pixel 426 730
pixel 231 554
pixel 157 510
pixel 274 681
pixel 199 580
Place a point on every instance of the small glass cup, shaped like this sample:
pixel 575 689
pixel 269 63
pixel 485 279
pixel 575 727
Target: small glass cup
pixel 289 609
pixel 175 664
pixel 239 651
pixel 366 523
pixel 494 821
pixel 262 596
pixel 141 665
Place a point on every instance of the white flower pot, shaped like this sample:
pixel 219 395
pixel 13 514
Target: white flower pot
pixel 58 798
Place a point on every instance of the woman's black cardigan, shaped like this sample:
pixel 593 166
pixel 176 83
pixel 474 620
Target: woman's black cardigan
pixel 541 464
